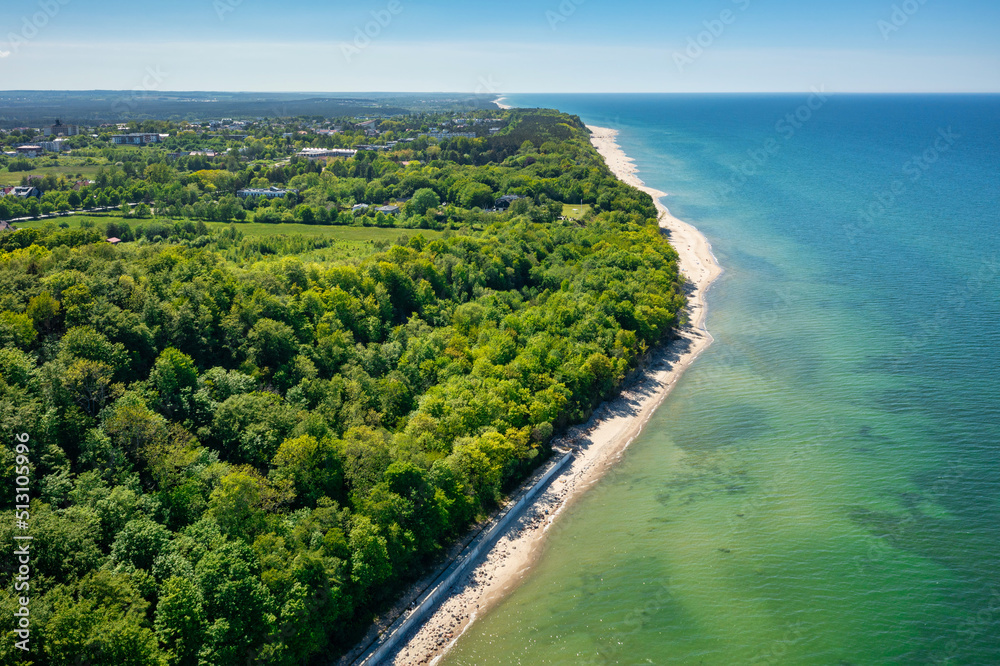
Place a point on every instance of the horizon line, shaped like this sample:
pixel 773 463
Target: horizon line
pixel 155 93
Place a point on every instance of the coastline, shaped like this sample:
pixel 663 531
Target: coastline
pixel 596 445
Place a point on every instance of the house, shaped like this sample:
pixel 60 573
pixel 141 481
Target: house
pixel 269 193
pixel 61 130
pixel 7 226
pixel 114 241
pixel 358 208
pixel 388 210
pixel 29 151
pixel 136 139
pixel 504 202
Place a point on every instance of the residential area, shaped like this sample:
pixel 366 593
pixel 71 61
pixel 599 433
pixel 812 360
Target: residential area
pixel 311 170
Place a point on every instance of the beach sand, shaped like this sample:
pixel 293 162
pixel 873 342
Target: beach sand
pixel 597 444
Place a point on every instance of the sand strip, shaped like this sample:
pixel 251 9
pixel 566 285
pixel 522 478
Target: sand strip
pixel 598 444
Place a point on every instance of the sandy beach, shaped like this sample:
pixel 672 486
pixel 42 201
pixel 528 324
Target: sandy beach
pixel 597 445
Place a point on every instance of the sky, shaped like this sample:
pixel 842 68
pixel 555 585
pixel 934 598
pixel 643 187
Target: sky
pixel 505 47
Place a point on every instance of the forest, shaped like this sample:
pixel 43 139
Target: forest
pixel 240 450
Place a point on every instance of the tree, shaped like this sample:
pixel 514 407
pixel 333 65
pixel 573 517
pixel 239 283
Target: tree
pixel 249 428
pixel 139 543
pixel 16 330
pixel 423 200
pixel 159 173
pixel 175 378
pixel 43 310
pixel 241 501
pixel 272 344
pixel 134 428
pixel 89 383
pixel 237 606
pixel 476 195
pixel 180 621
pixel 83 342
pixel 312 467
pixel 370 564
pixel 101 620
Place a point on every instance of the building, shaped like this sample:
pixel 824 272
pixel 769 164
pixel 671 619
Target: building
pixel 52 146
pixel 323 153
pixel 29 151
pixel 24 192
pixel 388 210
pixel 114 241
pixel 445 134
pixel 269 193
pixel 61 130
pixel 7 226
pixel 360 208
pixel 504 202
pixel 136 139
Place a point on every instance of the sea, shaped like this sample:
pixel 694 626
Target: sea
pixel 823 485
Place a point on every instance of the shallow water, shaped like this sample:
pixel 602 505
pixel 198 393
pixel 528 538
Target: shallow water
pixel 822 486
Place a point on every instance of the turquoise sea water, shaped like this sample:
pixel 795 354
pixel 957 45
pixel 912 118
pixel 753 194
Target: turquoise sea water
pixel 823 487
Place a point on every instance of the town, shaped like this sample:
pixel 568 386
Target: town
pixel 234 170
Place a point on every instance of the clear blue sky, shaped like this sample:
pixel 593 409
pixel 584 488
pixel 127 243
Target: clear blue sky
pixel 502 47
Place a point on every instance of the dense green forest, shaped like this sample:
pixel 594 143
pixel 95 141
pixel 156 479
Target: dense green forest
pixel 241 449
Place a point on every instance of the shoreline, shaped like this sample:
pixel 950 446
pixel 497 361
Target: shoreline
pixel 595 445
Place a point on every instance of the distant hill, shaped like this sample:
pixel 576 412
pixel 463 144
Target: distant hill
pixel 31 108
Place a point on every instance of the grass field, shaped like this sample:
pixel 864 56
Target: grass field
pixel 72 220
pixel 68 166
pixel 575 211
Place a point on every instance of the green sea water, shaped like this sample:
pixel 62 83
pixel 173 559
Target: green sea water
pixel 823 485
